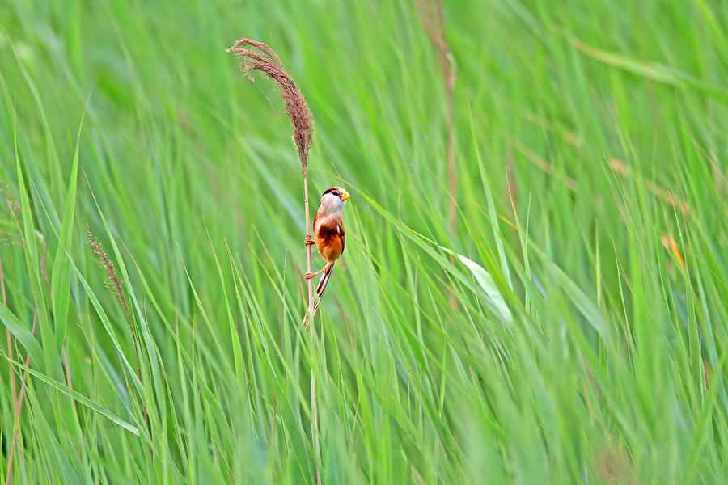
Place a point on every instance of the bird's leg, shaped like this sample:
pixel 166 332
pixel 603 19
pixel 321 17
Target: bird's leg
pixel 311 275
pixel 308 241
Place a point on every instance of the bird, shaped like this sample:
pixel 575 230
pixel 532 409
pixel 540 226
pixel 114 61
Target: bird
pixel 329 234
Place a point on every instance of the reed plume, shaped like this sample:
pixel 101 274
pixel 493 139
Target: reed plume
pixel 258 56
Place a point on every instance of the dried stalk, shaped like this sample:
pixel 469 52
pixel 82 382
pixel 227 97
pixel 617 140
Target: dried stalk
pixel 315 432
pixel 535 159
pixel 13 384
pixel 669 243
pixel 433 21
pixel 19 401
pixel 8 336
pixel 665 195
pixel 258 56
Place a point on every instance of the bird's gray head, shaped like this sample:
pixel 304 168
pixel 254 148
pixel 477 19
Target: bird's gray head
pixel 333 199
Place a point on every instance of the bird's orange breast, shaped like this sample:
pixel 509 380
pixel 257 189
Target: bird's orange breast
pixel 329 238
pixel 330 247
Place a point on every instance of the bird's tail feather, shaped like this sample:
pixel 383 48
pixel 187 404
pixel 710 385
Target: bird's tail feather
pixel 323 283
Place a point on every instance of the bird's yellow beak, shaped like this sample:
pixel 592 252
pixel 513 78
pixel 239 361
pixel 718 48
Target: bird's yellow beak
pixel 345 196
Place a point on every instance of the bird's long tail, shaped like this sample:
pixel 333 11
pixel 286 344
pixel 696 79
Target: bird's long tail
pixel 323 283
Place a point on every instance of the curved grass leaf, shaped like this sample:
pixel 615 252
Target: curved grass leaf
pixel 76 396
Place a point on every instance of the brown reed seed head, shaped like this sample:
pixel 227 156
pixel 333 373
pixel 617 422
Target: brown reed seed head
pixel 258 56
pixel 433 21
pixel 113 280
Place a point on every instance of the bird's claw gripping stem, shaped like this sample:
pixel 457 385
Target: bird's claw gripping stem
pixel 308 240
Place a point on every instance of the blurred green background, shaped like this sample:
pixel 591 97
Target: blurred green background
pixel 569 327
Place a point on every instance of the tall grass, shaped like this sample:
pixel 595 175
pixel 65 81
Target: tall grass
pixel 588 265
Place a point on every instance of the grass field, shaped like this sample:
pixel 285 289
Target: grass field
pixel 570 326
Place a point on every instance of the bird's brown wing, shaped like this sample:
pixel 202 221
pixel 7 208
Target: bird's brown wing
pixel 315 221
pixel 342 233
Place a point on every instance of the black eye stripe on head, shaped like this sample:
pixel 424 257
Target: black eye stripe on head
pixel 332 190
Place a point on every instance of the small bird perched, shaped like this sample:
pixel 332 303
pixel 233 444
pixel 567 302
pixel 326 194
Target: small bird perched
pixel 329 234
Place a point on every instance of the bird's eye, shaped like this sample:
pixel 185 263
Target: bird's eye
pixel 336 193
